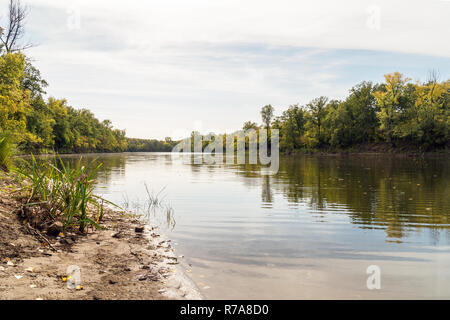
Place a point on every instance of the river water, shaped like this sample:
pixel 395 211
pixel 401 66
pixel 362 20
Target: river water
pixel 309 232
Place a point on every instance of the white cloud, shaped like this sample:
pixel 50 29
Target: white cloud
pixel 405 25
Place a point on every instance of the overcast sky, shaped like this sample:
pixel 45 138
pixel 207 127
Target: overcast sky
pixel 164 68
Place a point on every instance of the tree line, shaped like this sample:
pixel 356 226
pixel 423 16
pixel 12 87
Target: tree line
pixel 397 113
pixel 36 124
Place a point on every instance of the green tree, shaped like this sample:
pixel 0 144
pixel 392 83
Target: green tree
pixel 338 124
pixel 250 125
pixel 354 120
pixel 291 126
pixel 362 108
pixel 267 115
pixel 40 123
pixel 317 113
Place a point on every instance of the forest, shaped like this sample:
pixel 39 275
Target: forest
pixel 394 116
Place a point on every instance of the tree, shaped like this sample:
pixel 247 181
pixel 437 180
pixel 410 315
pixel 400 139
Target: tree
pixel 317 115
pixel 338 124
pixel 427 120
pixel 267 115
pixel 392 101
pixel 362 108
pixel 40 123
pixel 14 31
pixel 14 99
pixel 249 125
pixel 33 80
pixel 291 126
pixel 354 120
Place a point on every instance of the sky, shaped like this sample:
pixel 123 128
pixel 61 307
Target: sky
pixel 165 68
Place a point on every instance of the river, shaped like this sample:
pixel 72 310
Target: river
pixel 315 230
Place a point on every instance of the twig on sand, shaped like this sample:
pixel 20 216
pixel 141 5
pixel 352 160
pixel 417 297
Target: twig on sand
pixel 40 236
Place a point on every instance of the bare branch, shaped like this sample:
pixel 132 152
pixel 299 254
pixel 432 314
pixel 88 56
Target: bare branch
pixel 433 76
pixel 15 28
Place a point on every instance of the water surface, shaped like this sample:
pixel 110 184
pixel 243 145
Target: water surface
pixel 311 231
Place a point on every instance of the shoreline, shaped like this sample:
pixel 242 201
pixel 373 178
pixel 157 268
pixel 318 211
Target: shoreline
pixel 128 260
pixel 441 153
pixel 296 152
pixel 370 149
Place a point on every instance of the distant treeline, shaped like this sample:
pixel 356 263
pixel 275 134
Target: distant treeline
pixel 395 115
pixel 150 145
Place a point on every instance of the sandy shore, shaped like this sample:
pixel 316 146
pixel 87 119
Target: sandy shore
pixel 127 260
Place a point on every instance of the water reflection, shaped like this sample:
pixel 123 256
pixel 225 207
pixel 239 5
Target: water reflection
pixel 266 192
pixel 398 194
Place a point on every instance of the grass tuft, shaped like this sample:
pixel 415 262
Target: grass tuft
pixel 65 193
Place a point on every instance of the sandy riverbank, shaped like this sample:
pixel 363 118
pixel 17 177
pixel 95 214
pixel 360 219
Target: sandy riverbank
pixel 127 260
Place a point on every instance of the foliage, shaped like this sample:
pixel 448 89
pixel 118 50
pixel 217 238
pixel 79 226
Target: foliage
pixel 427 120
pixel 393 102
pixel 152 145
pixel 353 121
pixel 39 125
pixel 397 112
pixel 6 151
pixel 267 115
pixel 65 193
pixel 249 125
pixel 316 116
pixel 14 100
pixel 291 125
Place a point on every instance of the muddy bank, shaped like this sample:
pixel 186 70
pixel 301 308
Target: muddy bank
pixel 127 260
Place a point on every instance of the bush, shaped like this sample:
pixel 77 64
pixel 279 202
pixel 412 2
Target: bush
pixel 64 193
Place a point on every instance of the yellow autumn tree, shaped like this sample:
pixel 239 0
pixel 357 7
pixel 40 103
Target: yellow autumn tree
pixel 14 98
pixel 429 121
pixel 392 102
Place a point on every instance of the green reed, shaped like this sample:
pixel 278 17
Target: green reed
pixel 65 193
